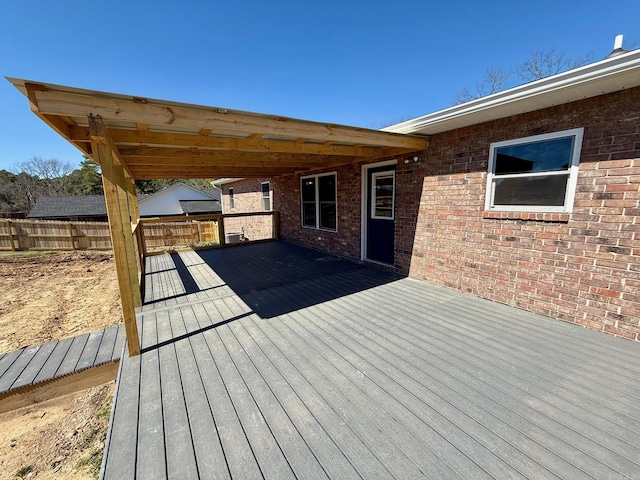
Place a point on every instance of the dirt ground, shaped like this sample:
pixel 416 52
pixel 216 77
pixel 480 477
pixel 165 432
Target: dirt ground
pixel 62 438
pixel 52 296
pixel 47 297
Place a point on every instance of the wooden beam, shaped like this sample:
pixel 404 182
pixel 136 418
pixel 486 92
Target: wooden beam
pixel 41 392
pixel 167 139
pixel 183 116
pixel 100 135
pixel 202 172
pixel 59 124
pixel 112 181
pixel 180 156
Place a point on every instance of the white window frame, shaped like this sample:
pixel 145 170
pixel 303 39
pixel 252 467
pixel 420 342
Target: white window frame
pixel 375 175
pixel 232 200
pixel 571 173
pixel 317 200
pixel 262 197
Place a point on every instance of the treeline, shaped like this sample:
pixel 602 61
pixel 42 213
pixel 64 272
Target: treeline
pixel 31 179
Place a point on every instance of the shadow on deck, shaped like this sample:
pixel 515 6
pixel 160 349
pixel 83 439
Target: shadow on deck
pixel 275 361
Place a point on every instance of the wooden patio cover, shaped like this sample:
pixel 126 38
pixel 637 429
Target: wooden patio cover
pixel 134 138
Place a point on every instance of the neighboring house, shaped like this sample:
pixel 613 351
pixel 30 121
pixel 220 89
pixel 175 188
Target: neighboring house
pixel 88 208
pixel 177 199
pixel 246 195
pixel 528 197
pixel 241 195
pixel 180 199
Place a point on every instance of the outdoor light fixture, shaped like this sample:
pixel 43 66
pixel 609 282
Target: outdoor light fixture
pixel 415 160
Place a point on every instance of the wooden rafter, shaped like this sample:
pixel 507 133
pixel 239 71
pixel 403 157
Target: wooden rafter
pixel 166 139
pixel 120 109
pixel 155 139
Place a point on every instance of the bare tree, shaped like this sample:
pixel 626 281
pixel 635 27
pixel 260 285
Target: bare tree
pixel 545 64
pixel 540 65
pixel 52 173
pixel 493 80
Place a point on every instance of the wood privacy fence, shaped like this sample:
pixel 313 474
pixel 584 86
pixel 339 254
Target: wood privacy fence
pixel 52 235
pixel 155 233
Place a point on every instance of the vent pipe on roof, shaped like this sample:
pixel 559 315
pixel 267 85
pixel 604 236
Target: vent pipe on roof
pixel 617 47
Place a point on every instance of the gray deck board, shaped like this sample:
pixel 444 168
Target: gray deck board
pixel 90 350
pixel 274 361
pixel 40 363
pixel 73 355
pixel 240 460
pixel 107 345
pixel 34 366
pixel 17 367
pixel 119 459
pixel 151 459
pixel 8 359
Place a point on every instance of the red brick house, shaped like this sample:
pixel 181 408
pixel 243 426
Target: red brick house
pixel 243 195
pixel 528 197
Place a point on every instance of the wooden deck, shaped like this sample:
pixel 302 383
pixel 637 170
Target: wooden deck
pixel 273 361
pixel 40 363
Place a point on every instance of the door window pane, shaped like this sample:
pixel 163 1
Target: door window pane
pixel 382 195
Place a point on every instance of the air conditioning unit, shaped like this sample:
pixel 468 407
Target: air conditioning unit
pixel 232 237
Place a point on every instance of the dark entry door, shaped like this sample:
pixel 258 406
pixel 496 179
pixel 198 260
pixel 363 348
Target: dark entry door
pixel 381 194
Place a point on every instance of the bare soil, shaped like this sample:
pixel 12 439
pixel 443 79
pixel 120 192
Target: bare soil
pixel 62 438
pixel 56 295
pixel 44 297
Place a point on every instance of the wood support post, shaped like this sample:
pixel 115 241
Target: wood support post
pixel 275 225
pixel 223 238
pixel 120 226
pixel 135 218
pixel 132 264
pixel 10 232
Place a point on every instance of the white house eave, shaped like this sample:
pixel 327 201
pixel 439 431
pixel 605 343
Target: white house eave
pixel 223 181
pixel 605 76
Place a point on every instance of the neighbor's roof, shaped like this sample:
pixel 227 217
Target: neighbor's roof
pixel 212 193
pixel 609 75
pixel 156 139
pixel 72 206
pixel 200 206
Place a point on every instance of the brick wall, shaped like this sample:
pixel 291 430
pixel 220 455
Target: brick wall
pixel 582 267
pixel 345 241
pixel 247 195
pixel 255 228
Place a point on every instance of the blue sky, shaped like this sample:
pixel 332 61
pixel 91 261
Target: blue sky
pixel 365 63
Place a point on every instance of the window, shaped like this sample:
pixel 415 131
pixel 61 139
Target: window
pixel 232 202
pixel 382 198
pixel 266 196
pixel 536 173
pixel 318 194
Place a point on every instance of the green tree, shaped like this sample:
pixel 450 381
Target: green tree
pixel 91 177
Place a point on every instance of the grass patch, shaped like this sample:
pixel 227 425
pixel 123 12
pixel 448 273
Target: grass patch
pixel 104 412
pixel 24 471
pixel 27 254
pixel 91 462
